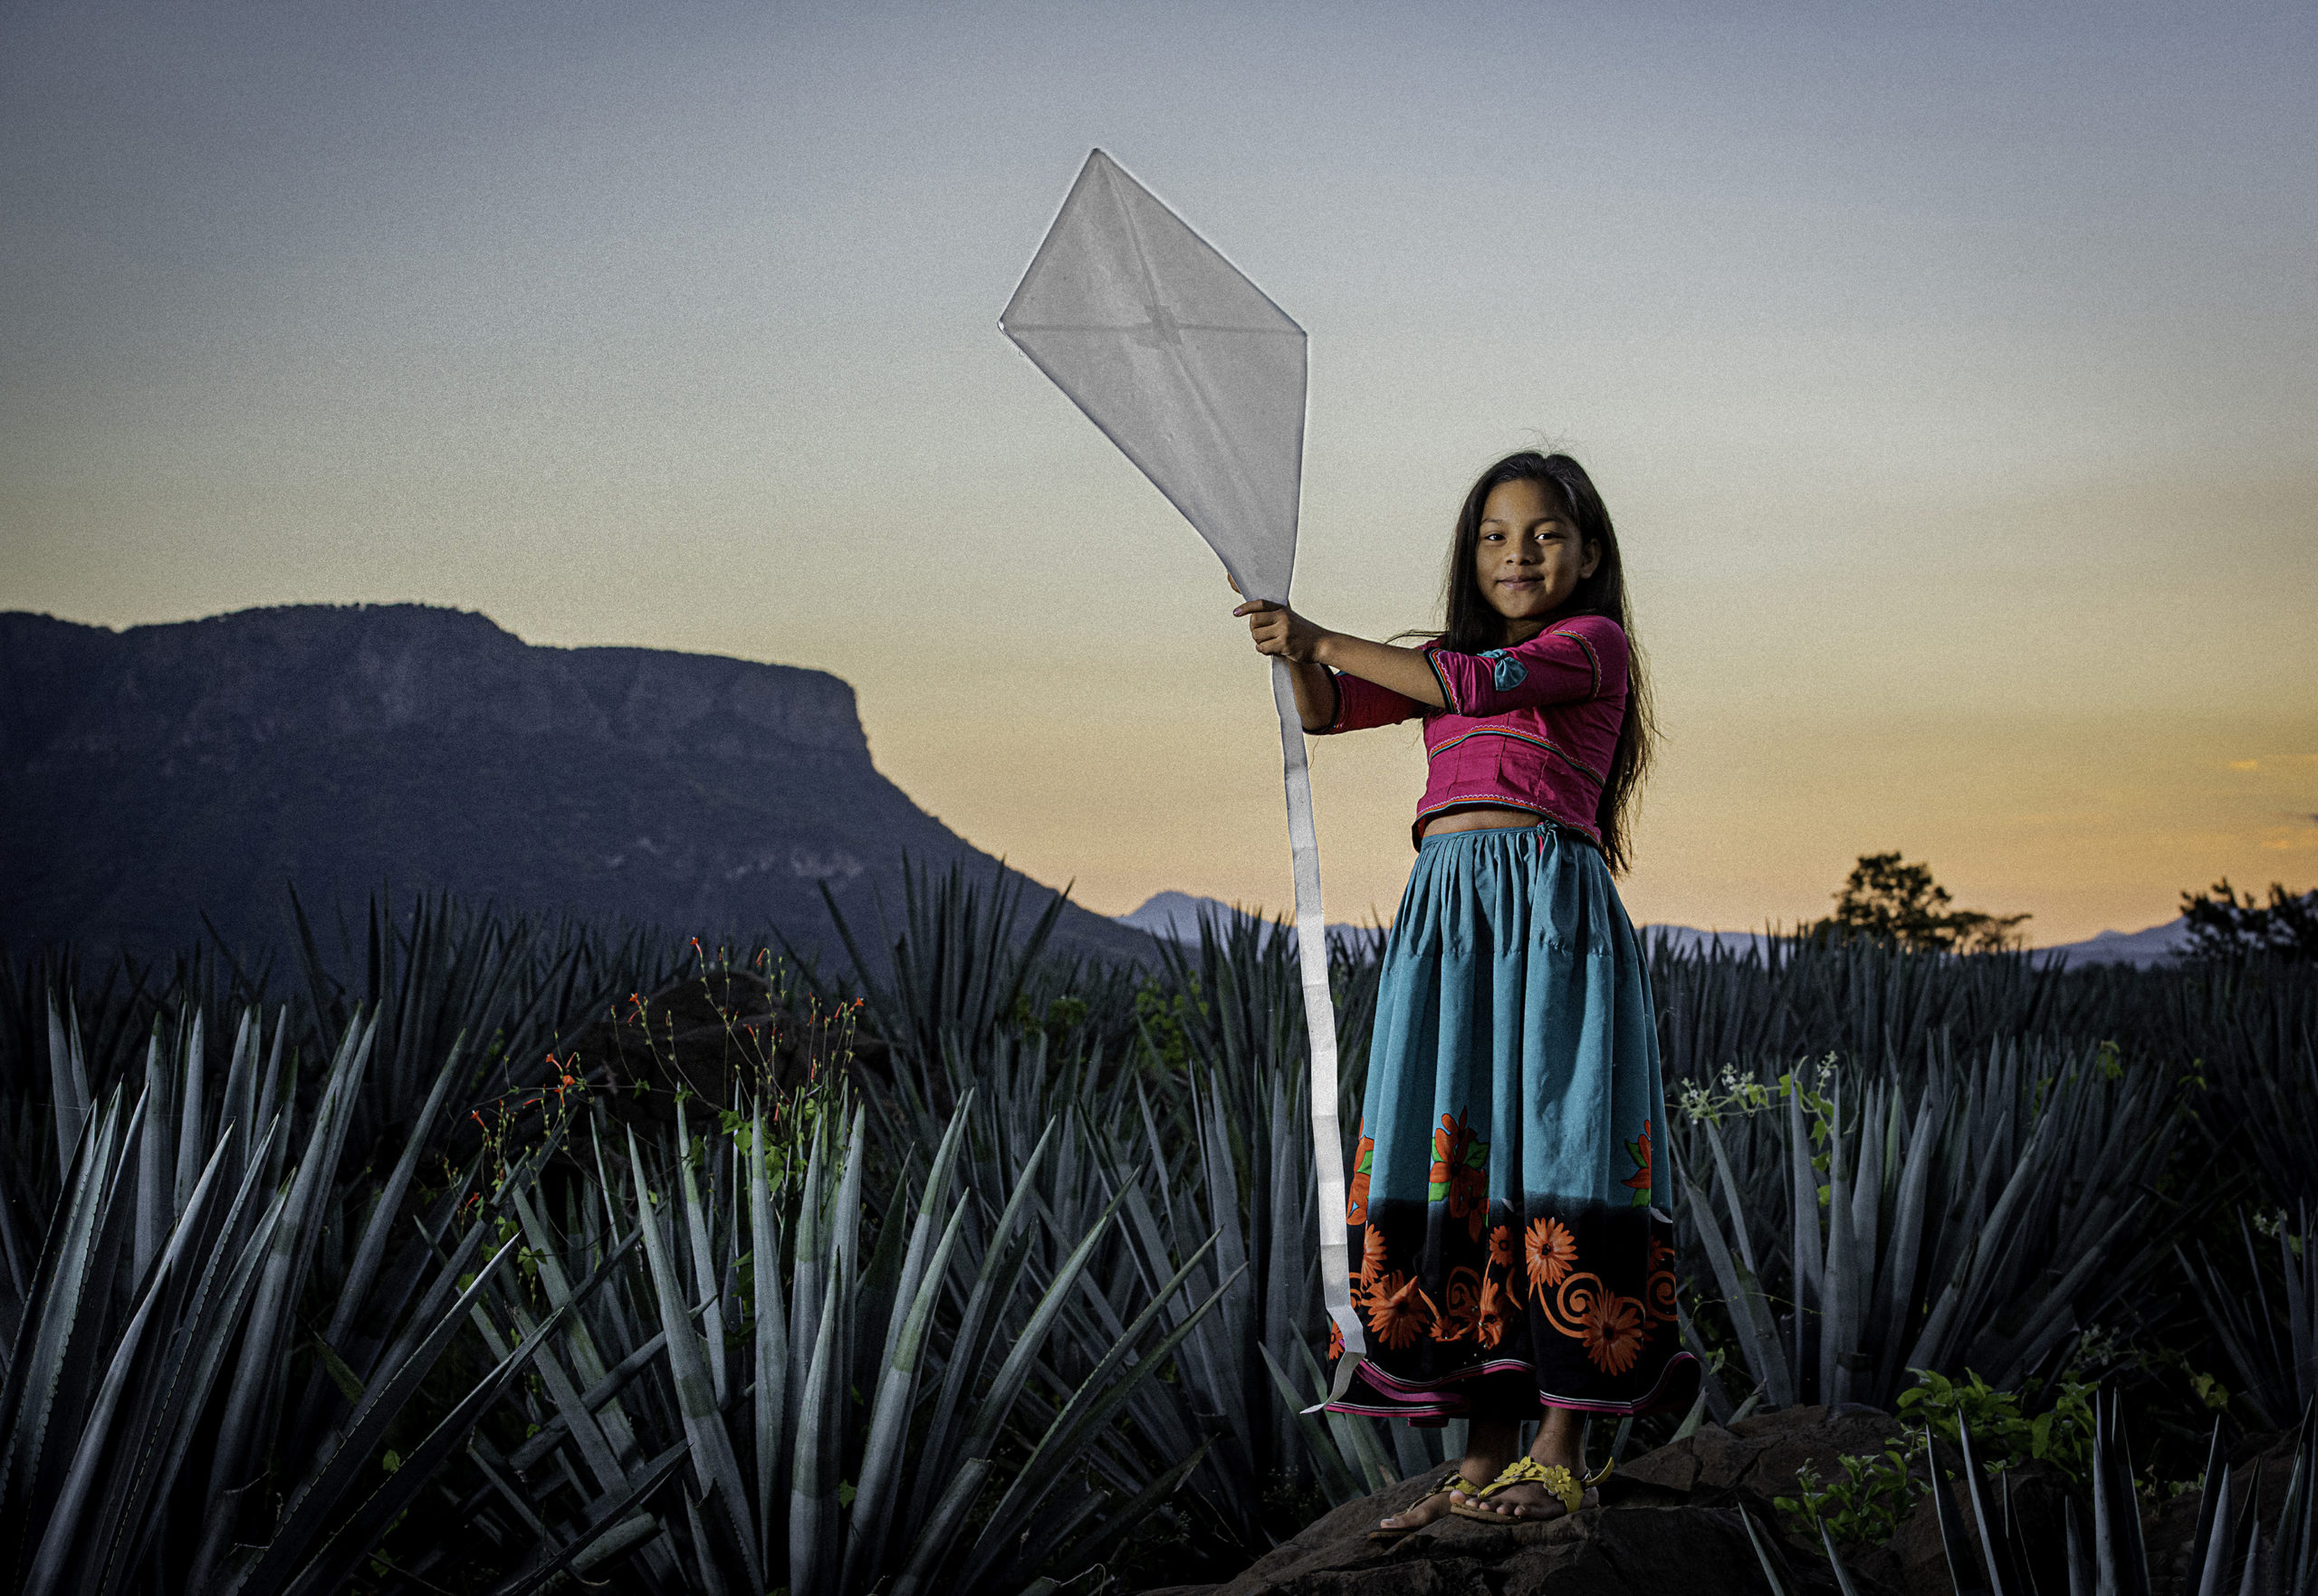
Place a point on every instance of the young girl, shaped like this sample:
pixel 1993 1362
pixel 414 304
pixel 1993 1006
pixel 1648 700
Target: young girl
pixel 1516 1256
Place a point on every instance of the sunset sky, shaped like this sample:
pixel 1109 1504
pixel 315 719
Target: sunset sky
pixel 1950 370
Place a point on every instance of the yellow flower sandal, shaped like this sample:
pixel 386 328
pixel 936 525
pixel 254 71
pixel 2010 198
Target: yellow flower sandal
pixel 1558 1480
pixel 1455 1481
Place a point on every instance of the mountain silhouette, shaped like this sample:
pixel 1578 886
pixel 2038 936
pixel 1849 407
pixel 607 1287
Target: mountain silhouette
pixel 154 775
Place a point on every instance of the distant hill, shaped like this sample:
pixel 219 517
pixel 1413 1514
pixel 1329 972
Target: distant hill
pixel 1176 916
pixel 2143 948
pixel 152 775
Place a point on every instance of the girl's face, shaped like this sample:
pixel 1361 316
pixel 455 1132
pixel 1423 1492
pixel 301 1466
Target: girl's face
pixel 1527 559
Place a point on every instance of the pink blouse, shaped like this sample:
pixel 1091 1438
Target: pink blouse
pixel 1530 727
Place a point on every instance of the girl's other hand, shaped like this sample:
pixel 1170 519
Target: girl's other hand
pixel 1277 629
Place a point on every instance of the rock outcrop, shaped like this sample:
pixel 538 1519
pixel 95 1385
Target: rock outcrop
pixel 1637 1549
pixel 1671 1521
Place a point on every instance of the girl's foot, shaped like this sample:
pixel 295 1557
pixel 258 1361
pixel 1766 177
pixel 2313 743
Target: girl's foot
pixel 1438 1504
pixel 1527 1492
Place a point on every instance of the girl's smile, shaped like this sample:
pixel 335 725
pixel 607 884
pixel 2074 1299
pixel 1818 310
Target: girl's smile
pixel 1528 559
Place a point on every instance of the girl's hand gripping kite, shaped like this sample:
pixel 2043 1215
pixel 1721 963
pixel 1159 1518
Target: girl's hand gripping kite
pixel 1199 379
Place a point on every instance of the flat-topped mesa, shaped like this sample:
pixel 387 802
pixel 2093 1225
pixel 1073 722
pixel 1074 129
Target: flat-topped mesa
pixel 159 774
pixel 207 688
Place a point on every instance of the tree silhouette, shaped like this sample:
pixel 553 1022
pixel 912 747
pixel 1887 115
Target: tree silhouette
pixel 1889 900
pixel 2226 924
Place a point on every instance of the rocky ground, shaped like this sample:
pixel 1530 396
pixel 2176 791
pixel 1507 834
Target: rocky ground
pixel 1669 1522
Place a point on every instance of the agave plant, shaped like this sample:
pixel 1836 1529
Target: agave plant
pixel 1970 1224
pixel 104 1025
pixel 441 970
pixel 426 974
pixel 701 1402
pixel 1988 1551
pixel 2266 1092
pixel 1249 1119
pixel 2272 1342
pixel 1857 998
pixel 2226 1551
pixel 962 968
pixel 1227 1138
pixel 1230 1197
pixel 160 1324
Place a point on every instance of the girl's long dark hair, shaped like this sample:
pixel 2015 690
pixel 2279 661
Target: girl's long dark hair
pixel 1469 625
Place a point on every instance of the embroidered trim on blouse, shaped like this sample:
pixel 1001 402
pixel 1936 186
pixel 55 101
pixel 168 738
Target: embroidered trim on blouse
pixel 1554 748
pixel 1448 694
pixel 1592 659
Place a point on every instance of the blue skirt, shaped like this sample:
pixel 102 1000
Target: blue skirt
pixel 1514 1247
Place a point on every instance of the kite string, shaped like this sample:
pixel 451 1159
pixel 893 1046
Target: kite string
pixel 1320 1025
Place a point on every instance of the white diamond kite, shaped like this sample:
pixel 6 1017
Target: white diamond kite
pixel 1199 379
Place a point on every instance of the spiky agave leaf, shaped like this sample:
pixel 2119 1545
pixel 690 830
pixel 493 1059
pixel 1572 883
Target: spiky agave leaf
pixel 176 1386
pixel 889 1414
pixel 712 1447
pixel 63 1532
pixel 1026 1547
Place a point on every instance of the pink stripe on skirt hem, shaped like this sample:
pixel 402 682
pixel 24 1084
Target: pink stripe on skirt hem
pixel 1438 1402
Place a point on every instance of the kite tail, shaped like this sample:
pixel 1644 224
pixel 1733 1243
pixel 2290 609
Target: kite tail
pixel 1320 1025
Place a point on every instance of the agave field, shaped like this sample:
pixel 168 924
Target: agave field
pixel 477 1253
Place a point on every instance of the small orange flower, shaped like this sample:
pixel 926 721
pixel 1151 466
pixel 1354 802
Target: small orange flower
pixel 1552 1252
pixel 1372 1258
pixel 1336 1341
pixel 1398 1310
pixel 1611 1330
pixel 1500 1247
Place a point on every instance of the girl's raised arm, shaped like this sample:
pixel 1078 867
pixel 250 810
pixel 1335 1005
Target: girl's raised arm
pixel 1313 650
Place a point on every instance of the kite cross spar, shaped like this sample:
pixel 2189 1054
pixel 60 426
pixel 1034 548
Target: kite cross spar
pixel 1199 378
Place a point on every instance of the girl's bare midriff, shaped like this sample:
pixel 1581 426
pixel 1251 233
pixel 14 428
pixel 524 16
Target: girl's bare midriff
pixel 1481 818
